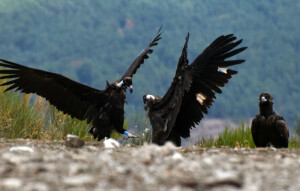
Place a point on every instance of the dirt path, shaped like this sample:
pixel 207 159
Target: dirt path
pixel 48 165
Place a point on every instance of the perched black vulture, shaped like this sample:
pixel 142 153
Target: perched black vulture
pixel 267 127
pixel 103 108
pixel 192 90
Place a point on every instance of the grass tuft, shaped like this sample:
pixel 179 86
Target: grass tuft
pixel 239 137
pixel 32 117
pixel 230 137
pixel 28 116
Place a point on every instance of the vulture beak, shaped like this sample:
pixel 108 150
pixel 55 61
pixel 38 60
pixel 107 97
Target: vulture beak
pixel 130 88
pixel 263 99
pixel 145 102
pixel 146 107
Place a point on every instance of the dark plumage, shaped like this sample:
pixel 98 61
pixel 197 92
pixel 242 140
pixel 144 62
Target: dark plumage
pixel 267 127
pixel 103 108
pixel 192 90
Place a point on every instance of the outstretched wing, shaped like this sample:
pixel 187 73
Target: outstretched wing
pixel 142 56
pixel 67 95
pixel 169 106
pixel 194 86
pixel 209 73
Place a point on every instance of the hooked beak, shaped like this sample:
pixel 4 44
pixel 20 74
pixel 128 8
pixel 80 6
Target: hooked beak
pixel 146 107
pixel 263 99
pixel 145 103
pixel 130 88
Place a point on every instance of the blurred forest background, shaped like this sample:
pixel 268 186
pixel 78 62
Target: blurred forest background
pixel 92 41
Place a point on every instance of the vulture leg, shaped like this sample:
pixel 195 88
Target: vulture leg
pixel 129 135
pixel 174 138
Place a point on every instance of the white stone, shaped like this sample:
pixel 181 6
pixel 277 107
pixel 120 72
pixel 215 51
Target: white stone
pixel 78 180
pixel 22 149
pixel 11 183
pixel 177 156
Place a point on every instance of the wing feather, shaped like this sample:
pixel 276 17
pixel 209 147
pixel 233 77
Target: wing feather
pixel 67 95
pixel 283 131
pixel 194 86
pixel 169 106
pixel 142 56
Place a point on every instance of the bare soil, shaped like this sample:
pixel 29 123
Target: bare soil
pixel 50 165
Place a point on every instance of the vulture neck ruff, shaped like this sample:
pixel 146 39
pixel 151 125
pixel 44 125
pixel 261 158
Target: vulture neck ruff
pixel 266 108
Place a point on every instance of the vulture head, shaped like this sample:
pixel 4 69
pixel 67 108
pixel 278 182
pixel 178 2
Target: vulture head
pixel 265 99
pixel 265 102
pixel 149 100
pixel 126 83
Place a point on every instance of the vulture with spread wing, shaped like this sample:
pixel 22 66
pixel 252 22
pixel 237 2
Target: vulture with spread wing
pixel 192 90
pixel 104 109
pixel 268 128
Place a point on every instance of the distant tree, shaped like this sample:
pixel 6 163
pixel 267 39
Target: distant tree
pixel 85 73
pixel 99 40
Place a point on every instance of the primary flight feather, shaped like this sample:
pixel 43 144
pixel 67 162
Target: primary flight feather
pixel 103 108
pixel 192 90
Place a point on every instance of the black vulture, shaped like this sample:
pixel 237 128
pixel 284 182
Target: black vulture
pixel 268 128
pixel 104 109
pixel 192 90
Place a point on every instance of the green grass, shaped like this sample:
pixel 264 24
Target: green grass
pixel 294 141
pixel 27 116
pixel 230 137
pixel 239 137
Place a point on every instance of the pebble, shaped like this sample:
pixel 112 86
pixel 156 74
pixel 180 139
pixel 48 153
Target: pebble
pixel 35 186
pixel 73 141
pixel 148 167
pixel 21 149
pixel 78 180
pixel 177 157
pixel 11 183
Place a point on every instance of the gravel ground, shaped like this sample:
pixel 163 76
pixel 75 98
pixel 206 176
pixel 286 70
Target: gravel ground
pixel 50 165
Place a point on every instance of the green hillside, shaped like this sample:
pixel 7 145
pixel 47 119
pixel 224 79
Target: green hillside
pixel 93 41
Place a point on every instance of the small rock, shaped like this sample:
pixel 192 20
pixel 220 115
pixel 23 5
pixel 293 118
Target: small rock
pixel 91 148
pixel 75 168
pixel 36 186
pixel 11 183
pixel 14 158
pixel 78 180
pixel 153 149
pixel 74 141
pixel 177 157
pixel 273 148
pixel 22 149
